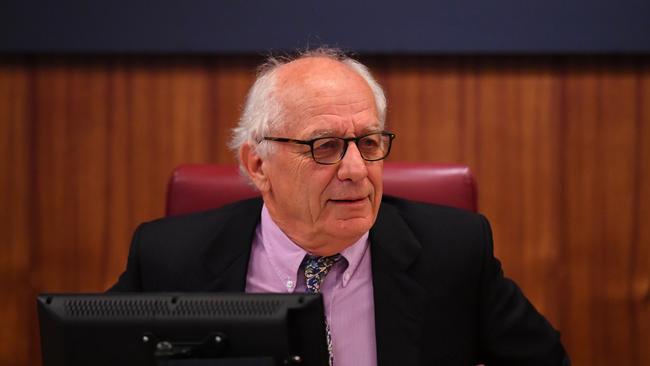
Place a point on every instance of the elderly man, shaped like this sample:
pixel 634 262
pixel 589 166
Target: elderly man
pixel 404 283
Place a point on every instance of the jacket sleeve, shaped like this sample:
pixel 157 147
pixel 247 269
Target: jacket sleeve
pixel 130 280
pixel 512 331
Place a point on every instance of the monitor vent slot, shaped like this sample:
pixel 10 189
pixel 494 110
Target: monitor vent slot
pixel 227 308
pixel 164 307
pixel 116 307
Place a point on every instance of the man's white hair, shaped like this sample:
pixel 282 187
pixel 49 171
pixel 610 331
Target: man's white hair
pixel 263 110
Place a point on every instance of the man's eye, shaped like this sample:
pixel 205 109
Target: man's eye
pixel 326 145
pixel 369 143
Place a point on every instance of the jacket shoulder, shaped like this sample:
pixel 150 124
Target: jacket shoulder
pixel 423 215
pixel 202 222
pixel 188 237
pixel 170 254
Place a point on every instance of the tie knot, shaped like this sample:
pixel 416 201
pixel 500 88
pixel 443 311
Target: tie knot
pixel 316 268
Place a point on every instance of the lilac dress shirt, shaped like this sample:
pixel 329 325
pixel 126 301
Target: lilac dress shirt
pixel 347 289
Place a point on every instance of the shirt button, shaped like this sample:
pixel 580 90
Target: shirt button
pixel 290 284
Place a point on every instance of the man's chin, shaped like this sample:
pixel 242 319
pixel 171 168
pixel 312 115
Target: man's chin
pixel 351 226
pixel 349 209
pixel 340 233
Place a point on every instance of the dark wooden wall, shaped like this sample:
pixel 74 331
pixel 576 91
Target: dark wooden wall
pixel 560 147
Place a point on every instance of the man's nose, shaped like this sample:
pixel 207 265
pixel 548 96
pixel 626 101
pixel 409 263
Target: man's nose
pixel 352 166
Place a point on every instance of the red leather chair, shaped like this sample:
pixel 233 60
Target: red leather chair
pixel 197 187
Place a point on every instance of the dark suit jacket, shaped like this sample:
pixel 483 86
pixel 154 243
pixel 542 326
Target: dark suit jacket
pixel 440 295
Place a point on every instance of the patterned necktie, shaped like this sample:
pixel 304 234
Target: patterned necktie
pixel 316 268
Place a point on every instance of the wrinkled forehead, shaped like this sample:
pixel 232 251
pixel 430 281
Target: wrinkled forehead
pixel 316 95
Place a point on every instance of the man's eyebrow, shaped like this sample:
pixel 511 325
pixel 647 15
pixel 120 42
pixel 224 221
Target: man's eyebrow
pixel 331 133
pixel 322 133
pixel 371 129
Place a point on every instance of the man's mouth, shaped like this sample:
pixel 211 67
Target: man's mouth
pixel 350 200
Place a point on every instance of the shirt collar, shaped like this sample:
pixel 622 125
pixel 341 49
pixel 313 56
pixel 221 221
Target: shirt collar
pixel 283 254
pixel 286 256
pixel 353 255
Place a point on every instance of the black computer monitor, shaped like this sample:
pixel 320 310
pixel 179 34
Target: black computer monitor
pixel 129 329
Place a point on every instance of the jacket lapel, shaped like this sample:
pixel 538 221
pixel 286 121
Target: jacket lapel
pixel 228 253
pixel 399 298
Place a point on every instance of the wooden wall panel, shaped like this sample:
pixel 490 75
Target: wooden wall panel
pixel 560 148
pixel 640 270
pixel 600 148
pixel 17 332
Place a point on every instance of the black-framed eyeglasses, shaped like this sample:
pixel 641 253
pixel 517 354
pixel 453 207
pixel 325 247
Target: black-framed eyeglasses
pixel 330 150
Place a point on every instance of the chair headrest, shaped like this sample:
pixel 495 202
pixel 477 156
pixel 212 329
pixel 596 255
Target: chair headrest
pixel 197 187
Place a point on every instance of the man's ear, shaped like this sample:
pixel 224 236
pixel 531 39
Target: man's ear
pixel 254 166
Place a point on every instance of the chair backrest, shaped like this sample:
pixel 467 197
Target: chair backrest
pixel 197 187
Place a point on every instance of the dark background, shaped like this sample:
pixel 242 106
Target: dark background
pixel 365 26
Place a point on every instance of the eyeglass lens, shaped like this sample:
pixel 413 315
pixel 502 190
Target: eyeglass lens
pixel 330 149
